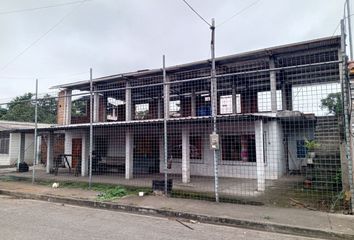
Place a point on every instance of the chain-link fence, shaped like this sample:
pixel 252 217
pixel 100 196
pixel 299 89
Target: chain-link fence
pixel 278 134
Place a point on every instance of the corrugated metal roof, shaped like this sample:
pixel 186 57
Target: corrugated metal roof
pixel 305 45
pixel 13 125
pixel 221 118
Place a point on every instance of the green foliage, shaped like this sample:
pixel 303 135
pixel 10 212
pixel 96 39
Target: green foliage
pixel 311 145
pixel 3 111
pixel 113 193
pixel 333 103
pixel 79 107
pixel 22 109
pixel 337 179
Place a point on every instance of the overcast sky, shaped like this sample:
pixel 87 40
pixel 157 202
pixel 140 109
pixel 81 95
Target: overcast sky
pixel 115 36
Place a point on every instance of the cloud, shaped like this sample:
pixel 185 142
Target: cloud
pixel 120 36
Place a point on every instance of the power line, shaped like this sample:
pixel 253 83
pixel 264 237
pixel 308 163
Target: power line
pixel 239 12
pixel 47 77
pixel 195 11
pixel 41 37
pixel 40 8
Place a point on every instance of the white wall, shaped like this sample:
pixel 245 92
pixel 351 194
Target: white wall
pixel 14 147
pixel 29 148
pixel 275 157
pixel 274 167
pixel 4 159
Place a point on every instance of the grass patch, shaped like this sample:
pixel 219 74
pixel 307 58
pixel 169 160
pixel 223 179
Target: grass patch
pixel 114 193
pixel 106 192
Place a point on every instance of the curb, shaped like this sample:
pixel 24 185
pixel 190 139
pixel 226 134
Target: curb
pixel 253 225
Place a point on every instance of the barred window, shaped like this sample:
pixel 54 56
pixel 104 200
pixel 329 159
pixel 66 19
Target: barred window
pixel 4 143
pixel 238 148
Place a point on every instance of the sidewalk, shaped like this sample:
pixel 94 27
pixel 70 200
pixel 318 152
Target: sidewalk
pixel 282 220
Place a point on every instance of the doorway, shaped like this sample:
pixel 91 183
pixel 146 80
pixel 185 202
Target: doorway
pixel 76 152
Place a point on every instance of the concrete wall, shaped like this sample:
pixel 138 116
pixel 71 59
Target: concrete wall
pixel 275 160
pixel 275 165
pixel 14 149
pixel 4 159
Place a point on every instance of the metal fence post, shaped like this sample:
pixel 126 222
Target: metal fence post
pixel 166 115
pixel 214 107
pixel 35 158
pixel 346 112
pixel 91 129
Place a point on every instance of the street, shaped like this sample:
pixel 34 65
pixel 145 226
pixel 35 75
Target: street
pixel 29 219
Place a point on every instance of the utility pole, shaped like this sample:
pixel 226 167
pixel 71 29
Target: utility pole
pixel 35 159
pixel 214 137
pixel 166 115
pixel 350 30
pixel 91 129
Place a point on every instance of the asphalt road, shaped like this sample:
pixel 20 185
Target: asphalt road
pixel 37 220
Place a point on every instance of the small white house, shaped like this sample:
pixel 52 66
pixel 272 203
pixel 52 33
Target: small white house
pixel 16 147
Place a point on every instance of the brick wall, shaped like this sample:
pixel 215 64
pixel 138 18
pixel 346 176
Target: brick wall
pixel 61 108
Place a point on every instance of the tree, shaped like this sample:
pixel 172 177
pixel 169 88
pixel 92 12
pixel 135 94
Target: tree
pixel 333 103
pixel 22 109
pixel 3 111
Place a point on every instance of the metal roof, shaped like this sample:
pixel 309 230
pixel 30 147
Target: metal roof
pixel 13 125
pixel 220 118
pixel 266 52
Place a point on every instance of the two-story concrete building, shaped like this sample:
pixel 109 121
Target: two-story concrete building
pixel 268 104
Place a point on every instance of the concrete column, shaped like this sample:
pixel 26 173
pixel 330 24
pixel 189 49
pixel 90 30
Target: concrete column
pixel 128 102
pixel 260 155
pixel 166 95
pixel 21 152
pixel 67 108
pixel 186 172
pixel 85 154
pixel 193 104
pixel 96 106
pixel 234 101
pixel 50 151
pixel 128 154
pixel 273 87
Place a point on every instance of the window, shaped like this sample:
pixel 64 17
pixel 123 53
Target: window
pixel 264 101
pixel 226 104
pixel 141 111
pixel 4 143
pixel 174 146
pixel 204 105
pixel 195 150
pixel 175 108
pixel 301 150
pixel 238 148
pixel 307 98
pixel 112 108
pixel 79 107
